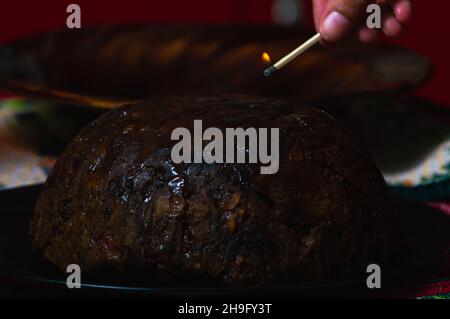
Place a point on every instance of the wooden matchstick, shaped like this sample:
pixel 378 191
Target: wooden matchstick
pixel 291 56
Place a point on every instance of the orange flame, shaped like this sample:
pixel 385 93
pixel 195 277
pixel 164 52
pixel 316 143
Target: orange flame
pixel 265 57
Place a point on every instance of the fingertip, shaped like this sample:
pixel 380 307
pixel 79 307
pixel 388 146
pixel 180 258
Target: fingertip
pixel 334 27
pixel 391 27
pixel 403 11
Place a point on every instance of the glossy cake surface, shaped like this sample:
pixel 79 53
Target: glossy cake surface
pixel 115 197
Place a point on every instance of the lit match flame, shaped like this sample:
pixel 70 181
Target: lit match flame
pixel 265 57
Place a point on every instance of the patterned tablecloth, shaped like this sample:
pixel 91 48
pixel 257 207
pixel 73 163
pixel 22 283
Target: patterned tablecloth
pixel 19 165
pixel 25 159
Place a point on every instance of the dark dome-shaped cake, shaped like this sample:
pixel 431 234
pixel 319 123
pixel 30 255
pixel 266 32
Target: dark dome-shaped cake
pixel 115 198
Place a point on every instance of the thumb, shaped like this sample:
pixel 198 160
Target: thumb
pixel 340 17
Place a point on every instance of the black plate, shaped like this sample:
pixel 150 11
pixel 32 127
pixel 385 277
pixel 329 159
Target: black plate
pixel 26 275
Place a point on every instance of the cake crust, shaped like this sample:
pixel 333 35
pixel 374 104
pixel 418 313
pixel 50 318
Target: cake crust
pixel 116 199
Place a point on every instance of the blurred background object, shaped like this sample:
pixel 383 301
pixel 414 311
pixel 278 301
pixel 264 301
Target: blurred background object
pixel 286 12
pixel 18 20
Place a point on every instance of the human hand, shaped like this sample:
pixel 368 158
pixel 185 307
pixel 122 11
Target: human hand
pixel 335 19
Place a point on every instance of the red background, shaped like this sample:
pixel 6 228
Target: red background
pixel 426 34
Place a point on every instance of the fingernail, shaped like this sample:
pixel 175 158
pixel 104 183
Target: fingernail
pixel 335 26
